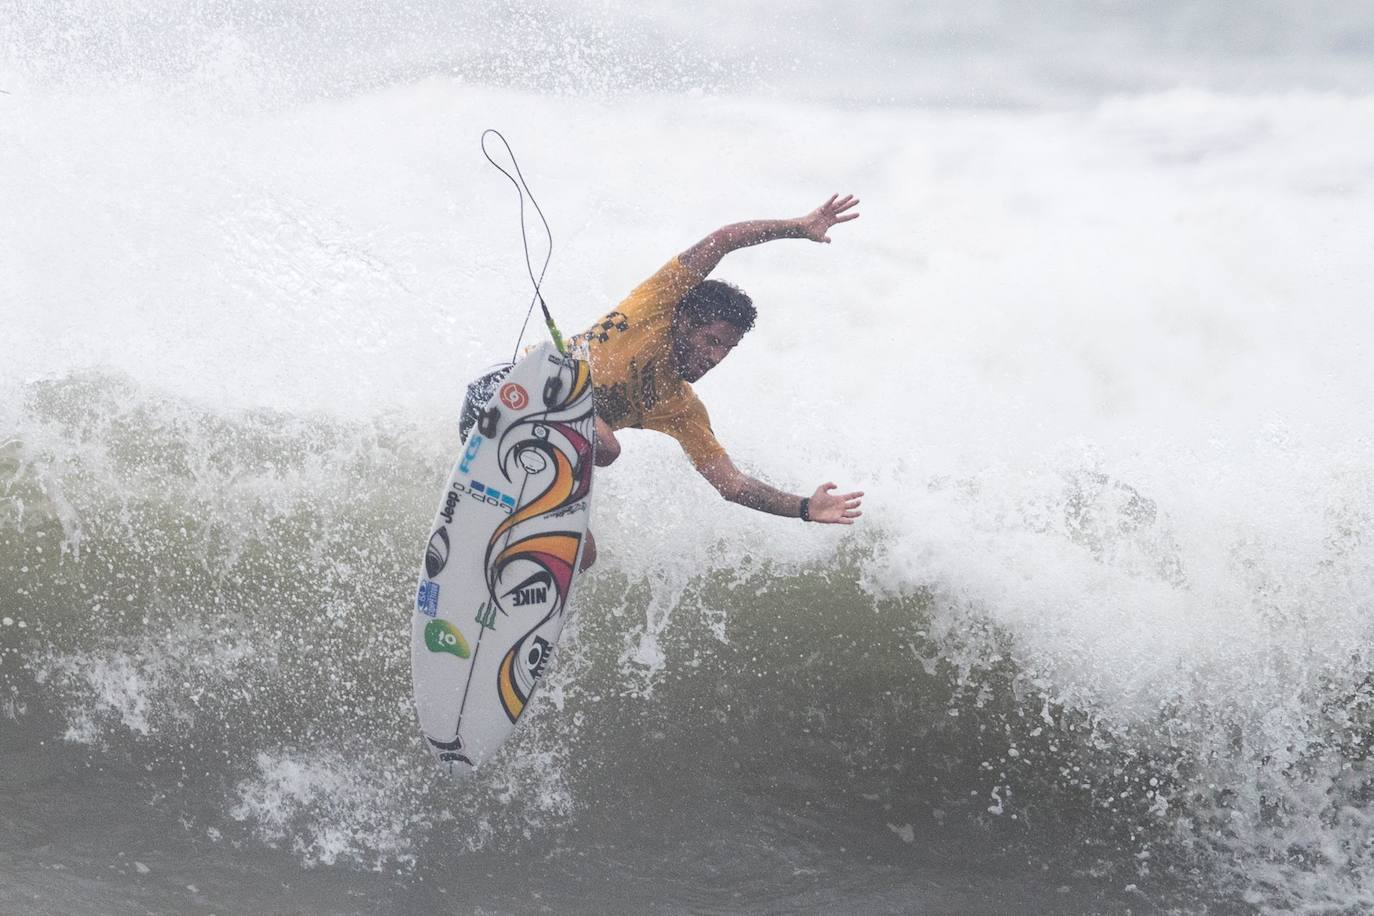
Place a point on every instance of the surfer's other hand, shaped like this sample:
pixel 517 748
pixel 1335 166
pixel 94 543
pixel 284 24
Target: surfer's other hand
pixel 817 223
pixel 835 508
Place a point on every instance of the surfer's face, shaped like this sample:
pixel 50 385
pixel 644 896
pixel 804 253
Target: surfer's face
pixel 697 348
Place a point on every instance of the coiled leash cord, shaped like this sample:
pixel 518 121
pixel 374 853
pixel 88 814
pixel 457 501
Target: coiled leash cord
pixel 523 190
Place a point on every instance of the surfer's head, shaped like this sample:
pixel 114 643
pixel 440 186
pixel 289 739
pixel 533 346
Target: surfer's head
pixel 708 323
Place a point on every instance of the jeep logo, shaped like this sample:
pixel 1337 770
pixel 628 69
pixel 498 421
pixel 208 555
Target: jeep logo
pixel 450 501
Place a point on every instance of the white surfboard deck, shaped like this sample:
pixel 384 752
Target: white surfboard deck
pixel 501 559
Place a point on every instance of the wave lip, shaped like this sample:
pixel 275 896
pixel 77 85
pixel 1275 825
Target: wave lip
pixel 1042 663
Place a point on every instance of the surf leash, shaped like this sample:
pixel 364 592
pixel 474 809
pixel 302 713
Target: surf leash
pixel 523 190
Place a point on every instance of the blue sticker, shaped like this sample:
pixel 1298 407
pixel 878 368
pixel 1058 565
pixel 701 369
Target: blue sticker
pixel 474 446
pixel 479 487
pixel 483 494
pixel 427 598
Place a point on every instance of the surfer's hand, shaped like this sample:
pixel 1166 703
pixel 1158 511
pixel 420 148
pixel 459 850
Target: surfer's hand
pixel 817 223
pixel 835 508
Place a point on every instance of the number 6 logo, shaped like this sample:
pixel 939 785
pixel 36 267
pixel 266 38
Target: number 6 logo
pixel 514 396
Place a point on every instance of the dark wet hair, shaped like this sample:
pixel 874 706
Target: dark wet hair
pixel 716 300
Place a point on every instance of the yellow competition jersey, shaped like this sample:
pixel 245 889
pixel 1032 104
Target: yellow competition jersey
pixel 631 356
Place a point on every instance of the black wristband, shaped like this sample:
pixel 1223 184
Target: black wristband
pixel 805 512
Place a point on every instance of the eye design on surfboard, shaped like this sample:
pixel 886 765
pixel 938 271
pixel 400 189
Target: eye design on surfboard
pixel 521 668
pixel 436 554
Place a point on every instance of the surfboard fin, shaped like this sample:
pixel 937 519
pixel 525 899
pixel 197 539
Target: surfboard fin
pixel 553 387
pixel 487 421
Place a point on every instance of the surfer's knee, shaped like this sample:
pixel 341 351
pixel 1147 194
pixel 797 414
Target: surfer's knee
pixel 604 456
pixel 607 445
pixel 588 552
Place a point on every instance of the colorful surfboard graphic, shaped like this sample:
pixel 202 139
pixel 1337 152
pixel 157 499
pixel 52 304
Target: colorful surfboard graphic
pixel 530 447
pixel 497 579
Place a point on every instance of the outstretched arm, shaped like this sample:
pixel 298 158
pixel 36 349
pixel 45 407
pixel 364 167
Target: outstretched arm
pixel 822 506
pixel 706 254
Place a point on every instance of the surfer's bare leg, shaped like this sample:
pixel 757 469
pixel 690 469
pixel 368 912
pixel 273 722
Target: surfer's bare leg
pixel 607 445
pixel 588 553
pixel 607 451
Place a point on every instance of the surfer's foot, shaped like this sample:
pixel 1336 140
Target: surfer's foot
pixel 588 552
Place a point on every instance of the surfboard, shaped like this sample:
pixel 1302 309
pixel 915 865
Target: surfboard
pixel 501 559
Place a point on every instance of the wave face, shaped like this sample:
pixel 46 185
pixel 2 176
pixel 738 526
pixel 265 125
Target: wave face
pixel 1096 352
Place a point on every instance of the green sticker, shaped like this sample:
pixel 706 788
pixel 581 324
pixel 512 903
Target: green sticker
pixel 442 636
pixel 486 616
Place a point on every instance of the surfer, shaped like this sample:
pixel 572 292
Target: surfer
pixel 669 332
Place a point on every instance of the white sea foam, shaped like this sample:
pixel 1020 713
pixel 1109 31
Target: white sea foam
pixel 326 808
